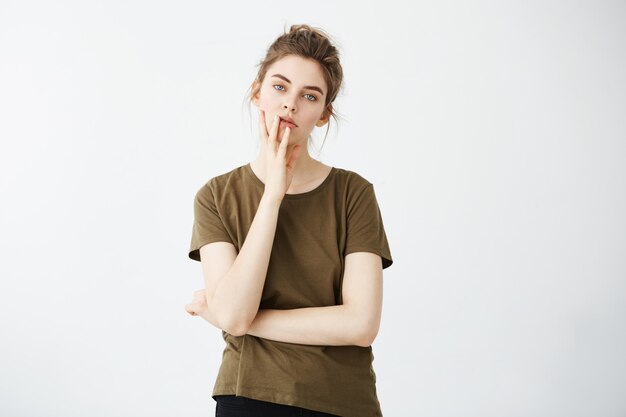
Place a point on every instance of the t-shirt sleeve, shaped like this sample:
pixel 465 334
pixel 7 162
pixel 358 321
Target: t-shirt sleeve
pixel 208 226
pixel 365 231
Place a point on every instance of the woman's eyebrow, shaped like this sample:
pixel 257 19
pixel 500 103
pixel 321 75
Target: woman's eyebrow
pixel 309 87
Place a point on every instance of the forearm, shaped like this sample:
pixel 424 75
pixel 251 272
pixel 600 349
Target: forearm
pixel 238 294
pixel 334 325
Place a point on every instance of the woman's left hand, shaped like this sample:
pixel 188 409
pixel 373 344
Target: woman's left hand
pixel 199 307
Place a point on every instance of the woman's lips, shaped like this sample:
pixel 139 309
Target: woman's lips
pixel 285 123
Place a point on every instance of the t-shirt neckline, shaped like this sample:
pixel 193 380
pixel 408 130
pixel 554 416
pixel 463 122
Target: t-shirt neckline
pixel 248 169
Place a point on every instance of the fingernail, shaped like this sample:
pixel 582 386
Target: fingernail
pixel 275 117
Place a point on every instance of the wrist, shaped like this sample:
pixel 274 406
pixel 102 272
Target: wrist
pixel 271 200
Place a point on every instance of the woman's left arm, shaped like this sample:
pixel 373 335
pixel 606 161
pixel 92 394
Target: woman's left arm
pixel 355 322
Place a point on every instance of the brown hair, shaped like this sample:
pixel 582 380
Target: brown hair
pixel 307 42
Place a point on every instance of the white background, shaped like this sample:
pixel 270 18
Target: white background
pixel 494 134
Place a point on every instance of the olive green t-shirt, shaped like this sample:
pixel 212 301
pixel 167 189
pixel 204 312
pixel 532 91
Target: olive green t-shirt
pixel 315 231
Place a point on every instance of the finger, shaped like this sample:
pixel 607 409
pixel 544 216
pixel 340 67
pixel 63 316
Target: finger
pixel 274 132
pixel 262 128
pixel 282 148
pixel 189 309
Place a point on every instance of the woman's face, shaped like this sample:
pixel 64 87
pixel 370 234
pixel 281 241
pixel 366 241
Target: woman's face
pixel 293 87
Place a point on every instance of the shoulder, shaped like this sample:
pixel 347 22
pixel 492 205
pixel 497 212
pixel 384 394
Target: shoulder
pixel 224 187
pixel 351 178
pixel 352 183
pixel 224 180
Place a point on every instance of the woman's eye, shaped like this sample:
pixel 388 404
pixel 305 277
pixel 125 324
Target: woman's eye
pixel 309 97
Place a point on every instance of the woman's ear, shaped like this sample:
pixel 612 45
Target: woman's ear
pixel 325 116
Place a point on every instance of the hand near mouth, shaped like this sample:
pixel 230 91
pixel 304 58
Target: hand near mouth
pixel 280 158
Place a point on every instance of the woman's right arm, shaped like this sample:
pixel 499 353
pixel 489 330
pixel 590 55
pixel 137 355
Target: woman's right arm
pixel 234 291
pixel 234 282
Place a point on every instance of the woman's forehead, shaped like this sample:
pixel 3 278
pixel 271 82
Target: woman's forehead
pixel 298 70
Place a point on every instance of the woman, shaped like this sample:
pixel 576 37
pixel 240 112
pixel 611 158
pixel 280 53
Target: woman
pixel 292 253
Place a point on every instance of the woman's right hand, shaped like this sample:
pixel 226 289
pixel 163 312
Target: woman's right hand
pixel 280 158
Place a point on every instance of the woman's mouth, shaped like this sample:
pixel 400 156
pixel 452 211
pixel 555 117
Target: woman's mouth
pixel 285 123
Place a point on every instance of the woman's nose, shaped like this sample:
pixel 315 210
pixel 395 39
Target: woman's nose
pixel 289 104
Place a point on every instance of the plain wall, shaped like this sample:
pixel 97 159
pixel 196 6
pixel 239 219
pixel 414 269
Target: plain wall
pixel 493 133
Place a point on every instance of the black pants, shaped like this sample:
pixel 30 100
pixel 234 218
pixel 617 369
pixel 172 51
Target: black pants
pixel 232 406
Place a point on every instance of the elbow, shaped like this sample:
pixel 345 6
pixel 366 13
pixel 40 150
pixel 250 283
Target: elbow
pixel 367 334
pixel 366 340
pixel 365 324
pixel 234 325
pixel 236 330
pixel 233 322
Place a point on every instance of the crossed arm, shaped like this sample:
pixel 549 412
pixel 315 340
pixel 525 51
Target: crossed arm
pixel 355 322
pixel 234 285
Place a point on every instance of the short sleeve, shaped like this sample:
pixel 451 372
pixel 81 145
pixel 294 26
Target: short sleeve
pixel 365 231
pixel 207 226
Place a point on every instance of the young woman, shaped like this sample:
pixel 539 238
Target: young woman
pixel 292 253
